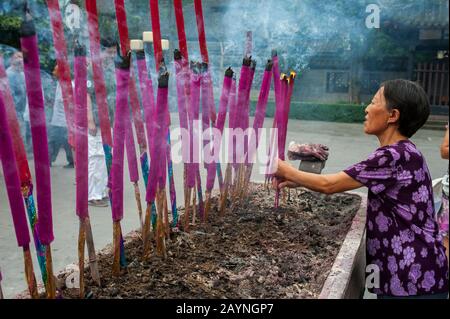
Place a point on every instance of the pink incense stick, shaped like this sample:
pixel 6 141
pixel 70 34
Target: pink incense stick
pixel 81 130
pixel 158 169
pixel 122 111
pixel 246 115
pixel 19 148
pixel 261 107
pixel 232 119
pixel 181 79
pixel 205 109
pixel 277 89
pixel 281 119
pixel 193 107
pixel 241 101
pixel 131 150
pixel 97 70
pixel 148 98
pixel 223 103
pixel 33 82
pixel 12 180
pixel 65 81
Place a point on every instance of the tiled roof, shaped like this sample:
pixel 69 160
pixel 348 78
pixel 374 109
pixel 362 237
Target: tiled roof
pixel 432 14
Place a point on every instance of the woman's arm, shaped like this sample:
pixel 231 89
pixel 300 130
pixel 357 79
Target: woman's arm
pixel 444 146
pixel 327 184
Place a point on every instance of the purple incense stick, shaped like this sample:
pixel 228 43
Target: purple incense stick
pixel 261 107
pixel 157 169
pixel 122 111
pixel 182 77
pixel 148 98
pixel 223 103
pixel 12 180
pixel 131 150
pixel 81 128
pixel 193 112
pixel 35 96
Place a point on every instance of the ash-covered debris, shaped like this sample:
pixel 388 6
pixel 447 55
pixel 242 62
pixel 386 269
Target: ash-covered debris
pixel 254 251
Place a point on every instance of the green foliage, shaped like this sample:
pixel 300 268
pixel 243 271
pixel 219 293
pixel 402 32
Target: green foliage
pixel 9 22
pixel 309 111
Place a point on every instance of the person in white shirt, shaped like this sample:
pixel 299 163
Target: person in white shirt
pixel 58 137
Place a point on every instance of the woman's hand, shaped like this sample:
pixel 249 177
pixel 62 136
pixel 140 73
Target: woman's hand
pixel 280 184
pixel 283 169
pixel 281 181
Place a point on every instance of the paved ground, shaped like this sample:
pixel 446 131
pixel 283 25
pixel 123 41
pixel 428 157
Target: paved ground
pixel 347 143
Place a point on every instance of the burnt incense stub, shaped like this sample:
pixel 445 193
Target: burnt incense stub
pixel 122 62
pixel 163 80
pixel 195 67
pixel 269 65
pixel 80 50
pixel 140 54
pixel 204 67
pixel 274 53
pixel 27 28
pixel 247 61
pixel 253 65
pixel 229 72
pixel 177 56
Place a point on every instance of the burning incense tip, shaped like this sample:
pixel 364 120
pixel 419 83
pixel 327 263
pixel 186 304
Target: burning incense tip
pixel 293 75
pixel 147 36
pixel 136 45
pixel 165 44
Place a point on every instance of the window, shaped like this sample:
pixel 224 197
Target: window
pixel 337 82
pixel 370 82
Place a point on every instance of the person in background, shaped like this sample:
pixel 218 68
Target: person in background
pixel 109 52
pixel 16 79
pixel 58 134
pixel 403 238
pixel 98 175
pixel 442 215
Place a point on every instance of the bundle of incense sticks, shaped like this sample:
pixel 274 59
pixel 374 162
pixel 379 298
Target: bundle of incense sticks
pixel 136 111
pixel 182 79
pixel 229 169
pixel 277 89
pixel 122 112
pixel 81 153
pixel 258 121
pixel 157 178
pixel 99 81
pixel 215 149
pixel 240 122
pixel 282 117
pixel 15 198
pixel 159 45
pixel 28 41
pixel 193 177
pixel 23 167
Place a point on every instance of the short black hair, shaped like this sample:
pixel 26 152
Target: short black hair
pixel 411 100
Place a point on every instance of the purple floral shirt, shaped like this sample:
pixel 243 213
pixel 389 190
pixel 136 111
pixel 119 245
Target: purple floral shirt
pixel 402 235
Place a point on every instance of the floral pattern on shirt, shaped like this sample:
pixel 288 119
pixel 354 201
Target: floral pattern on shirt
pixel 403 238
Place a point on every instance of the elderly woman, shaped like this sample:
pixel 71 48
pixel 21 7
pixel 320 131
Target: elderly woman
pixel 402 235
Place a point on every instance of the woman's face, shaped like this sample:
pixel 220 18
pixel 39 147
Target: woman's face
pixel 378 116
